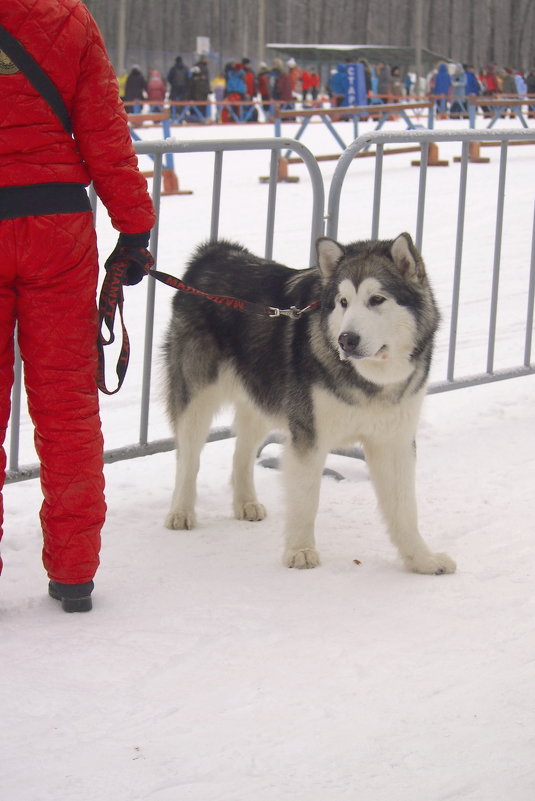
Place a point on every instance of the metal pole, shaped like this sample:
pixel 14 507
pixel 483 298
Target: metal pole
pixel 531 299
pixel 261 29
pixel 461 210
pixel 149 313
pixel 220 22
pixel 497 258
pixel 216 195
pixel 418 48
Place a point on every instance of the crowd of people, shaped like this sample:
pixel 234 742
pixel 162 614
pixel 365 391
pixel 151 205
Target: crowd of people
pixel 452 84
pixel 237 88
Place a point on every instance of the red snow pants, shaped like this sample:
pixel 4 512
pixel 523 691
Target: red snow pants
pixel 48 281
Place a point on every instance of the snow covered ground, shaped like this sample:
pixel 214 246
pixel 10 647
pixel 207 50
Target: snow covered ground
pixel 207 671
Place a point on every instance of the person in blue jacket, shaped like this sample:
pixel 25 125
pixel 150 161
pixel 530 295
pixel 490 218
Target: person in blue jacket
pixel 236 80
pixel 338 86
pixel 442 89
pixel 473 87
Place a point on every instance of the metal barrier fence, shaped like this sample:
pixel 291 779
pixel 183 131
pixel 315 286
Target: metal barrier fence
pixel 159 149
pixel 467 138
pixel 265 111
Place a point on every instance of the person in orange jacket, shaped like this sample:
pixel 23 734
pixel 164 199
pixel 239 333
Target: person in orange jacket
pixel 49 268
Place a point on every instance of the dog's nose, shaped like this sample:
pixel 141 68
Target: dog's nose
pixel 348 341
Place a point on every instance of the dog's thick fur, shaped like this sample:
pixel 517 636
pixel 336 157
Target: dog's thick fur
pixel 353 370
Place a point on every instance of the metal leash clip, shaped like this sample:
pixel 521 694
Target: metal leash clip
pixel 292 312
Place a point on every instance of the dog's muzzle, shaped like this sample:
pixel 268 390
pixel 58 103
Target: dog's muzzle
pixel 352 347
pixel 349 342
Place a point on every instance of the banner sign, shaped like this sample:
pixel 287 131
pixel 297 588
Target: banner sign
pixel 356 86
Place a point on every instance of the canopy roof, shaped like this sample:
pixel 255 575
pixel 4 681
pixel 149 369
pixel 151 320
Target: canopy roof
pixel 332 53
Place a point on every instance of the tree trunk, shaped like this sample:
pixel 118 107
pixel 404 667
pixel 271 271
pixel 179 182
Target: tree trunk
pixel 480 31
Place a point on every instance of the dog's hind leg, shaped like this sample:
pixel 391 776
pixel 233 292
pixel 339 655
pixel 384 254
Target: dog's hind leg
pixel 392 470
pixel 191 429
pixel 302 478
pixel 251 429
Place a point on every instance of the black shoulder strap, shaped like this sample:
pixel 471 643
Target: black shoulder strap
pixel 36 75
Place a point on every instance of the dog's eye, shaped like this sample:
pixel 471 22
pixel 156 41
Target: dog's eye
pixel 376 300
pixel 343 303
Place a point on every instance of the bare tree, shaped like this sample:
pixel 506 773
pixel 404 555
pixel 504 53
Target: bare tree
pixel 478 31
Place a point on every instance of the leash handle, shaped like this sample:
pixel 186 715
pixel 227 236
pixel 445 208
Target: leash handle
pixel 111 299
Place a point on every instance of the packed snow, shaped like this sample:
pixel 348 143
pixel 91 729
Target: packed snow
pixel 206 670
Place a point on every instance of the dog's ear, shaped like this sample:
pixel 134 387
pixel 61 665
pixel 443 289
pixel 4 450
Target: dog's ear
pixel 329 254
pixel 407 259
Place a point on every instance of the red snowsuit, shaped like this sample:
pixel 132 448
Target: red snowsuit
pixel 49 265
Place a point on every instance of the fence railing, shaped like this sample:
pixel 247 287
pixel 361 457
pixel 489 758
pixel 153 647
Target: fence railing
pixel 266 111
pixel 466 138
pixel 159 149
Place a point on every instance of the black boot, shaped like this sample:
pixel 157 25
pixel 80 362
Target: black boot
pixel 73 597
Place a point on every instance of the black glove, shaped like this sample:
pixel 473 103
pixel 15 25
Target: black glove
pixel 131 258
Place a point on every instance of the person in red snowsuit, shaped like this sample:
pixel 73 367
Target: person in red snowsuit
pixel 49 266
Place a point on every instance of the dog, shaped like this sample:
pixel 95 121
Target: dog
pixel 348 364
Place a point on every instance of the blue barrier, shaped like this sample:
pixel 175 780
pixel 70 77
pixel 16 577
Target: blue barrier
pixel 354 113
pixel 498 107
pixel 163 117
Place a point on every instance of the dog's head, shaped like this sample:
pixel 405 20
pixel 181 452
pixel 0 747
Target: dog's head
pixel 380 312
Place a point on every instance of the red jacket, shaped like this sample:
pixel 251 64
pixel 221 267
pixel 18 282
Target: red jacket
pixel 250 82
pixel 156 88
pixel 34 147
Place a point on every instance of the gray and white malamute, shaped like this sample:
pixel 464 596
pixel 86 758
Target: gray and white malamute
pixel 352 368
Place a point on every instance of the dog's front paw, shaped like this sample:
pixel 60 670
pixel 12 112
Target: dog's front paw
pixel 431 563
pixel 249 510
pixel 180 520
pixel 302 558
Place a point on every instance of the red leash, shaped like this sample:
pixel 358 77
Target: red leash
pixel 112 298
pixel 233 303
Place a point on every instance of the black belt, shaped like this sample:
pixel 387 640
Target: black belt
pixel 38 199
